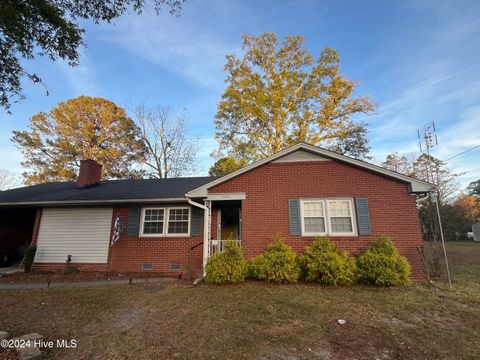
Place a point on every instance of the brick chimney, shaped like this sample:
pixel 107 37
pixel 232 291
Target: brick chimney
pixel 90 173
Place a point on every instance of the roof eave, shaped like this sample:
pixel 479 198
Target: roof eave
pixel 90 202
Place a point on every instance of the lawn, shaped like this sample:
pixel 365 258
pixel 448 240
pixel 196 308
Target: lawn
pixel 254 320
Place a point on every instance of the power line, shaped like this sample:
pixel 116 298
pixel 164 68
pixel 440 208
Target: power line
pixel 468 172
pixel 463 152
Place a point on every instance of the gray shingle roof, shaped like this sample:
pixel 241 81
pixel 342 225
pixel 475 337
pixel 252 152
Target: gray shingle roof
pixel 110 190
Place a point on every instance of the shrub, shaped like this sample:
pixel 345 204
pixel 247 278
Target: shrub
pixel 29 257
pixel 278 264
pixel 228 266
pixel 382 265
pixel 327 264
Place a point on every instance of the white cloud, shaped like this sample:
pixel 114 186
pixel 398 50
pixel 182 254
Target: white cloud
pixel 207 145
pixel 82 78
pixel 188 46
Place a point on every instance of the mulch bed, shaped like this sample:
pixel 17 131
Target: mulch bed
pixel 44 276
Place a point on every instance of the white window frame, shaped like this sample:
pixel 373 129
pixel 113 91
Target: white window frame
pixel 352 217
pixel 326 211
pixel 302 217
pixel 166 215
pixel 168 220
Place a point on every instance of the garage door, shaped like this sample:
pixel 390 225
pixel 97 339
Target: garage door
pixel 83 233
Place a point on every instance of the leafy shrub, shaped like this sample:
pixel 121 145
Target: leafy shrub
pixel 327 264
pixel 382 265
pixel 228 266
pixel 278 264
pixel 29 257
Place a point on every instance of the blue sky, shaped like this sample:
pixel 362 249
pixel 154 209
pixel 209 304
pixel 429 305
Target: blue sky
pixel 418 60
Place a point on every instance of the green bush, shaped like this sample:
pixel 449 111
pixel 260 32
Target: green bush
pixel 29 257
pixel 382 265
pixel 278 264
pixel 327 264
pixel 228 266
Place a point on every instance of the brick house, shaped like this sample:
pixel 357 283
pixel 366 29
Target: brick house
pixel 171 226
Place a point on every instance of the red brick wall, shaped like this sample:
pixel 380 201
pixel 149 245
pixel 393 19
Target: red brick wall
pixel 269 187
pixel 130 252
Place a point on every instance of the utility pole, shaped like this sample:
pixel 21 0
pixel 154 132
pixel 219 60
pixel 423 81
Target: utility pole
pixel 429 141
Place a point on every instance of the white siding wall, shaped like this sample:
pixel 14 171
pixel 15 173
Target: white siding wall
pixel 83 233
pixel 300 155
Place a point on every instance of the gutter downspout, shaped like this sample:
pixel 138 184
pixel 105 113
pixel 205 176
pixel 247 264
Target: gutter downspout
pixel 205 232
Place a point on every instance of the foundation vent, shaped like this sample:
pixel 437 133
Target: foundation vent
pixel 147 266
pixel 175 267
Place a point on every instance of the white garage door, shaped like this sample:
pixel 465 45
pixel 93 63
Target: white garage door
pixel 83 233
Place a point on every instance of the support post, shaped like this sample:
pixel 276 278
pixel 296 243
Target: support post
pixel 443 241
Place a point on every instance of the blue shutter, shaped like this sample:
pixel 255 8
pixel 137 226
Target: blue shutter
pixel 196 221
pixel 133 221
pixel 363 216
pixel 294 217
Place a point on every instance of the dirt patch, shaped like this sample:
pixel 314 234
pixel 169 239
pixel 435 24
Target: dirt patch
pixel 130 318
pixel 347 339
pixel 153 288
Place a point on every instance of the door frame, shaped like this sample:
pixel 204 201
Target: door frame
pixel 219 223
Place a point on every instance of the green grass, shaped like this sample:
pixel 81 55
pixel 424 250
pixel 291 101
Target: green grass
pixel 259 321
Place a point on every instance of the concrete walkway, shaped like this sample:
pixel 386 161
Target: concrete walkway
pixel 11 269
pixel 78 284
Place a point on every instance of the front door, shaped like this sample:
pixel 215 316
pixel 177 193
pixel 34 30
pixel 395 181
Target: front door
pixel 230 220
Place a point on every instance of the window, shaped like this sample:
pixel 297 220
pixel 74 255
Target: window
pixel 340 216
pixel 178 221
pixel 172 221
pixel 313 217
pixel 153 221
pixel 327 217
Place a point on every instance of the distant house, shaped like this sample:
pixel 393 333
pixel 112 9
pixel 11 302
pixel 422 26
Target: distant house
pixel 476 231
pixel 172 226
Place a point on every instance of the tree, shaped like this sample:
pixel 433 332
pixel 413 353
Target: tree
pixel 80 128
pixel 458 217
pixel 169 152
pixel 277 95
pixel 225 166
pixel 399 164
pixel 7 180
pixel 469 207
pixel 435 171
pixel 51 28
pixel 473 189
pixel 430 169
pixel 354 144
pixel 426 168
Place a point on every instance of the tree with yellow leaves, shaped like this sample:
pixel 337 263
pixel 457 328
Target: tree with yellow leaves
pixel 277 95
pixel 80 128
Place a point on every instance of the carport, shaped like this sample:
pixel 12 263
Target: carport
pixel 16 228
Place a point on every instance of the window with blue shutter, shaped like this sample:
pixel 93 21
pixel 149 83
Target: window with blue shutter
pixel 294 217
pixel 133 221
pixel 196 221
pixel 363 216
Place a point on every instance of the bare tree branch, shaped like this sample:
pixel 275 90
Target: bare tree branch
pixel 170 152
pixel 7 180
